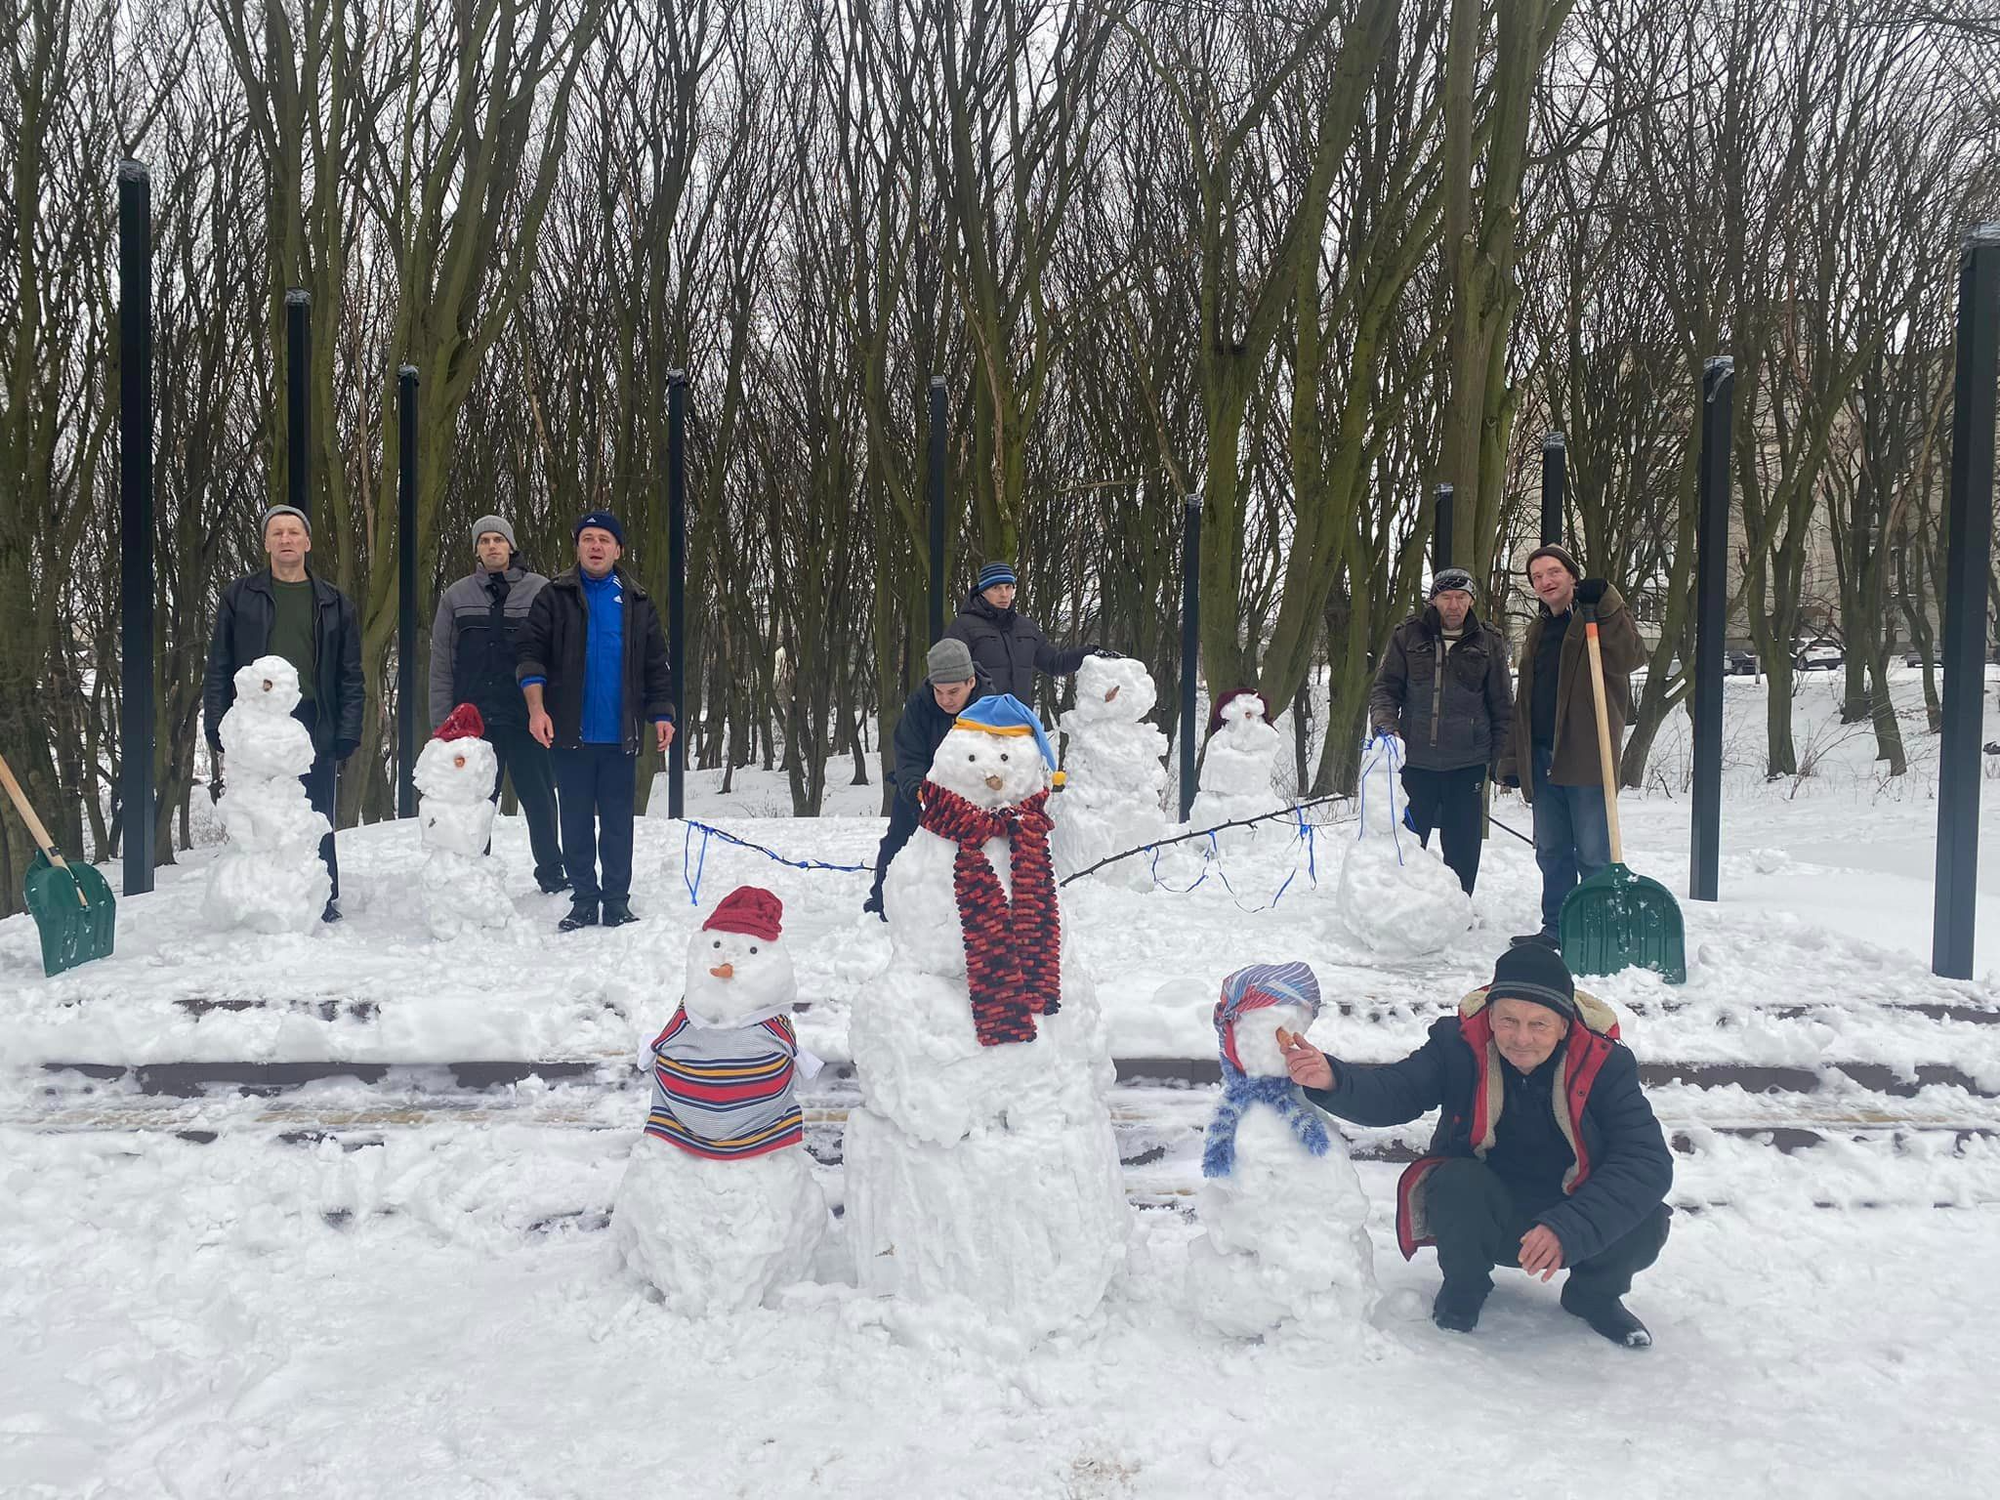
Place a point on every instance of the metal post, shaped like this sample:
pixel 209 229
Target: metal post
pixel 937 437
pixel 1968 551
pixel 298 362
pixel 1441 531
pixel 1711 607
pixel 677 394
pixel 407 714
pixel 135 486
pixel 1555 486
pixel 1190 642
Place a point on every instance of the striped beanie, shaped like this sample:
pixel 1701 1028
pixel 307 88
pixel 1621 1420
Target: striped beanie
pixel 1255 987
pixel 995 572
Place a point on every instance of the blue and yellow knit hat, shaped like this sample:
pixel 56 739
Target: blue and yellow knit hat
pixel 1003 713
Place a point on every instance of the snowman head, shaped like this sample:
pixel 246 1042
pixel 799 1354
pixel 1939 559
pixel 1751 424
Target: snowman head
pixel 739 971
pixel 268 686
pixel 1243 706
pixel 457 765
pixel 1114 690
pixel 1256 1002
pixel 996 755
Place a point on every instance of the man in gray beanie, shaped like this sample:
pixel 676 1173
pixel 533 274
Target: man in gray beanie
pixel 950 682
pixel 475 647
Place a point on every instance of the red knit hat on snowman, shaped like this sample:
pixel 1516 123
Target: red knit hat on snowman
pixel 749 910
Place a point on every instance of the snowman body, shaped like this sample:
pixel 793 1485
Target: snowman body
pixel 268 877
pixel 1116 772
pixel 1236 772
pixel 1284 1235
pixel 718 1208
pixel 982 1181
pixel 1394 897
pixel 460 881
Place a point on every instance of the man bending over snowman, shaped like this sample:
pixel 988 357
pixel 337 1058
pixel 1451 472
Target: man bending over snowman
pixel 1546 1157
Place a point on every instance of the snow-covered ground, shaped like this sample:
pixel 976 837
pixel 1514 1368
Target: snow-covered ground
pixel 379 1285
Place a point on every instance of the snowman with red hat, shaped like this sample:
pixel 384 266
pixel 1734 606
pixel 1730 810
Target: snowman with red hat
pixel 1237 768
pixel 455 774
pixel 718 1208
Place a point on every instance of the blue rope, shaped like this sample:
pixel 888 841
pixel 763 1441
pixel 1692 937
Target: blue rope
pixel 709 831
pixel 694 885
pixel 1388 749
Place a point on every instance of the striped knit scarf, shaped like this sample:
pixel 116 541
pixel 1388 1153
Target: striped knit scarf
pixel 1241 1090
pixel 725 1092
pixel 1013 952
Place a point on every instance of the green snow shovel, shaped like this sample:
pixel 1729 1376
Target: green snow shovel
pixel 71 904
pixel 1618 919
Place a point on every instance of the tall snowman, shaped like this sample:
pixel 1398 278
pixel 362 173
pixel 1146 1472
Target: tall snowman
pixel 718 1208
pixel 461 882
pixel 1236 768
pixel 268 876
pixel 1116 771
pixel 982 1177
pixel 1284 1219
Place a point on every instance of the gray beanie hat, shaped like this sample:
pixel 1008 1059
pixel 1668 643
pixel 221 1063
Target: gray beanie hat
pixel 264 522
pixel 950 660
pixel 495 523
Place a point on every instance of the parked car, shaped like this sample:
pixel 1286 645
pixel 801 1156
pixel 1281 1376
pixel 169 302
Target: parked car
pixel 1820 656
pixel 1740 664
pixel 1913 657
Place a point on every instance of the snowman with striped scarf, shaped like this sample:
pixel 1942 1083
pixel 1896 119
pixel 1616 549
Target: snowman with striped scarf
pixel 983 1182
pixel 718 1208
pixel 1284 1218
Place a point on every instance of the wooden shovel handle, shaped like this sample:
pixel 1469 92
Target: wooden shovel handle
pixel 1603 736
pixel 35 829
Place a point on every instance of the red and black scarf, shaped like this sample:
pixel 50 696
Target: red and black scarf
pixel 1013 951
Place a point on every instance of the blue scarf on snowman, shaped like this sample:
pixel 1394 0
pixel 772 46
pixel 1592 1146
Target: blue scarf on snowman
pixel 1252 989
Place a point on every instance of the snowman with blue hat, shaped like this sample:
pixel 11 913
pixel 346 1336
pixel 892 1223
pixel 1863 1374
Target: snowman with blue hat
pixel 982 1177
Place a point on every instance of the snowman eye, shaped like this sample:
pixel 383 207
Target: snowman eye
pixel 1003 754
pixel 718 942
pixel 753 947
pixel 971 758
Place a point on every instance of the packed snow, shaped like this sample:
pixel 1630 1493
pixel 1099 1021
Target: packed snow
pixel 269 877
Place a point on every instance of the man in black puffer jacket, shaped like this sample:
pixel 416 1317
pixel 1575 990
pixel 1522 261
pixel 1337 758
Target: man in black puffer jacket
pixel 1546 1155
pixel 475 650
pixel 1007 645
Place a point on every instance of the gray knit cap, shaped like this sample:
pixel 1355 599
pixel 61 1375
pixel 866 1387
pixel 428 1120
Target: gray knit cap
pixel 264 522
pixel 949 661
pixel 494 523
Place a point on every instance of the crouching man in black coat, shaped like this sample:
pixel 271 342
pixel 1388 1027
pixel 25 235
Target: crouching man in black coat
pixel 1547 1155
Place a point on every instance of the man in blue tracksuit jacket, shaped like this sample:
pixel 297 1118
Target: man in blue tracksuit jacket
pixel 594 670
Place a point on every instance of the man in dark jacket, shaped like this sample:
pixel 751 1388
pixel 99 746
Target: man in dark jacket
pixel 475 651
pixel 1552 754
pixel 951 682
pixel 1444 687
pixel 286 610
pixel 594 671
pixel 1546 1154
pixel 1006 644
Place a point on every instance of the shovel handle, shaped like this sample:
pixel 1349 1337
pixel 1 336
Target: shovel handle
pixel 35 829
pixel 1603 736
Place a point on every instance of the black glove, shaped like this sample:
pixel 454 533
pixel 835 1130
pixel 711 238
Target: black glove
pixel 1104 651
pixel 344 748
pixel 1591 591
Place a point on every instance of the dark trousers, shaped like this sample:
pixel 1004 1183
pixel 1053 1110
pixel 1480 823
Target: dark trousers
pixel 1452 803
pixel 902 823
pixel 595 794
pixel 1479 1222
pixel 534 785
pixel 321 784
pixel 1572 836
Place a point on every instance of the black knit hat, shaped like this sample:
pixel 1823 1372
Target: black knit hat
pixel 1560 553
pixel 1534 972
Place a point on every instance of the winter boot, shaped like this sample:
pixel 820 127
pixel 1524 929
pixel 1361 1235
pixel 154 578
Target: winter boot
pixel 618 913
pixel 552 884
pixel 581 914
pixel 331 913
pixel 1457 1306
pixel 1608 1316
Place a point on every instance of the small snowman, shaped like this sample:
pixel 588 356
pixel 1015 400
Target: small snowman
pixel 1236 768
pixel 268 877
pixel 456 773
pixel 1395 897
pixel 983 1180
pixel 1284 1217
pixel 718 1208
pixel 1116 772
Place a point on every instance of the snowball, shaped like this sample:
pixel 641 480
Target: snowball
pixel 1399 899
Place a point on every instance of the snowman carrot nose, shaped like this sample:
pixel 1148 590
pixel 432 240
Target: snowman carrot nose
pixel 724 971
pixel 1111 695
pixel 1288 1039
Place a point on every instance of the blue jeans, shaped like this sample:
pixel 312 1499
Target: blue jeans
pixel 596 792
pixel 1572 836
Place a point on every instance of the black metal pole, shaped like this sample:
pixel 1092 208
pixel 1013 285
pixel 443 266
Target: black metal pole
pixel 937 501
pixel 298 362
pixel 1190 643
pixel 408 714
pixel 677 495
pixel 1968 552
pixel 1555 486
pixel 1711 608
pixel 1441 532
pixel 135 487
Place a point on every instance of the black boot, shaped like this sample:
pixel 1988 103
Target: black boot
pixel 618 913
pixel 331 912
pixel 581 914
pixel 1457 1306
pixel 1608 1316
pixel 552 884
pixel 874 904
